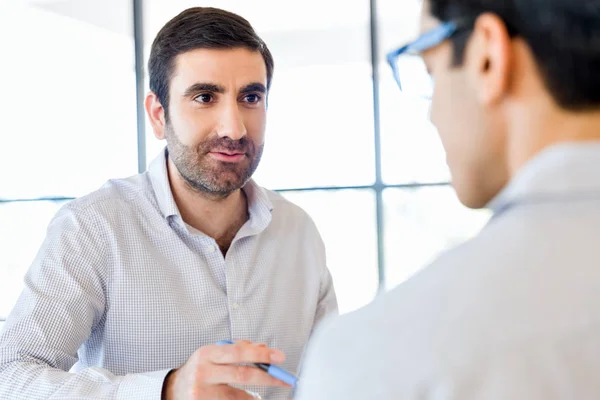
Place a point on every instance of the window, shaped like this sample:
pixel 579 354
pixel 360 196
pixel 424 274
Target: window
pixel 22 232
pixel 68 100
pixel 421 223
pixel 68 114
pixel 345 219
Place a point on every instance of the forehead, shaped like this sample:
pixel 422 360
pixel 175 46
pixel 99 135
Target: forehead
pixel 227 67
pixel 427 21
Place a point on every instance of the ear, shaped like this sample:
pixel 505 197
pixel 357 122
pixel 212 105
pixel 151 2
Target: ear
pixel 156 114
pixel 489 57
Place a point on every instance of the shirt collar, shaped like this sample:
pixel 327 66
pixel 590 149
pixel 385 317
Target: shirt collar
pixel 563 169
pixel 260 206
pixel 159 177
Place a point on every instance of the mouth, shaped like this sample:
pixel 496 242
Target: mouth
pixel 227 156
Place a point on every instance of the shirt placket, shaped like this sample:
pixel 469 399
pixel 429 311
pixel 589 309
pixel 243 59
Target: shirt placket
pixel 235 289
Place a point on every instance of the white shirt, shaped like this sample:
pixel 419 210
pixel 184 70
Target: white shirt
pixel 512 314
pixel 121 292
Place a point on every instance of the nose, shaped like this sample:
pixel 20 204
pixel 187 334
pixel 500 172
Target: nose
pixel 231 122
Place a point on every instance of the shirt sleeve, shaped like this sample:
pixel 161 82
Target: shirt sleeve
pixel 327 305
pixel 62 301
pixel 320 380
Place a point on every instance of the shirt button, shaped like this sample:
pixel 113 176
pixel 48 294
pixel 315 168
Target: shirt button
pixel 235 306
pixel 211 248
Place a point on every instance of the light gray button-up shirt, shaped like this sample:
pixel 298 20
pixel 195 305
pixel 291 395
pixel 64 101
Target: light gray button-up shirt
pixel 512 314
pixel 122 291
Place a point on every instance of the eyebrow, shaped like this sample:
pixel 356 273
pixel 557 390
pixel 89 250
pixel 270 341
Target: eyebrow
pixel 214 88
pixel 203 87
pixel 254 87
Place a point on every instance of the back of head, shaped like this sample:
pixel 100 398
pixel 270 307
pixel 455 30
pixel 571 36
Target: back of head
pixel 200 28
pixel 563 35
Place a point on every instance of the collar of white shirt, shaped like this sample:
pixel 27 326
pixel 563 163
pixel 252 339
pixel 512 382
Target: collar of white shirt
pixel 260 206
pixel 561 172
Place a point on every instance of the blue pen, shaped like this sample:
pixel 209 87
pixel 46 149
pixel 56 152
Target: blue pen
pixel 273 370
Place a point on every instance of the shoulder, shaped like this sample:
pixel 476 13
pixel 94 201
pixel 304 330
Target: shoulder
pixel 344 359
pixel 385 348
pixel 114 197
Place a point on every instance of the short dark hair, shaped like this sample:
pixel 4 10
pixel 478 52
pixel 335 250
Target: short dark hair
pixel 200 28
pixel 564 36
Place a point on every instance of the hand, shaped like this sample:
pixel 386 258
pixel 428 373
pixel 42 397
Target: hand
pixel 209 371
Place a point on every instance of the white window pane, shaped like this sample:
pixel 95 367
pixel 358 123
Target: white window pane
pixel 411 150
pixel 68 98
pixel 320 117
pixel 22 230
pixel 320 128
pixel 346 221
pixel 421 223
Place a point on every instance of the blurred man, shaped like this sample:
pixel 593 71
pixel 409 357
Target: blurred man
pixel 513 313
pixel 150 271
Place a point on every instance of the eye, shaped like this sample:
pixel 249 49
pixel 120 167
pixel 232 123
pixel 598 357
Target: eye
pixel 252 98
pixel 204 98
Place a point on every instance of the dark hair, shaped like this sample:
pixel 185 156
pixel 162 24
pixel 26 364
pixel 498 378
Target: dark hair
pixel 200 28
pixel 564 36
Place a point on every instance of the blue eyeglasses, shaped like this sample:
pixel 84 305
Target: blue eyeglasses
pixel 407 66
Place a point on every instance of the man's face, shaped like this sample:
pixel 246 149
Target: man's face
pixel 217 117
pixel 470 128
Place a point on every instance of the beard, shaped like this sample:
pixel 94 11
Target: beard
pixel 207 175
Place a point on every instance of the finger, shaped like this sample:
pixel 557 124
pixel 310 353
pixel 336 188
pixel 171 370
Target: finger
pixel 244 341
pixel 239 375
pixel 240 353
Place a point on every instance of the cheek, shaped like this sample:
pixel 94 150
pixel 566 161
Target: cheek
pixel 442 116
pixel 255 122
pixel 191 126
pixel 454 120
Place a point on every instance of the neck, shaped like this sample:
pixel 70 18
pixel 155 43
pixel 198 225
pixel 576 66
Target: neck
pixel 217 217
pixel 542 125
